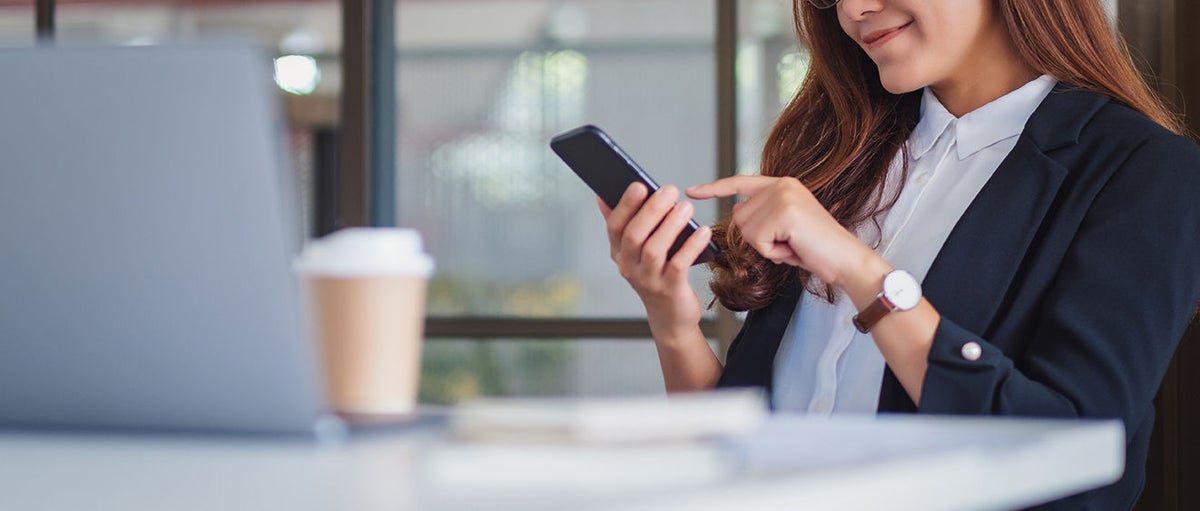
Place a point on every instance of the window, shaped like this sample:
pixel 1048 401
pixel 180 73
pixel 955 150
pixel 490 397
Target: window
pixel 482 87
pixel 514 232
pixel 770 69
pixel 303 37
pixel 526 299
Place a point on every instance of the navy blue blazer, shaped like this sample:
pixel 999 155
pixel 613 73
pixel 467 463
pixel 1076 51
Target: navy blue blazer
pixel 1076 268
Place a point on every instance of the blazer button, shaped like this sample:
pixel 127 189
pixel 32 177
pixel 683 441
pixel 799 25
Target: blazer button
pixel 971 351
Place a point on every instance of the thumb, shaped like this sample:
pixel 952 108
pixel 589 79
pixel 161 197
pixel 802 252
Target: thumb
pixel 781 253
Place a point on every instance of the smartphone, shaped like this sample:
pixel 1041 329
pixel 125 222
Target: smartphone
pixel 606 168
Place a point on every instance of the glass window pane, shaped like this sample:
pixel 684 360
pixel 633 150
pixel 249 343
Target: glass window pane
pixel 16 23
pixel 458 369
pixel 770 68
pixel 484 85
pixel 304 38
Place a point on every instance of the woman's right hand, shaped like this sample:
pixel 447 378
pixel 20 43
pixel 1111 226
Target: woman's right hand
pixel 641 231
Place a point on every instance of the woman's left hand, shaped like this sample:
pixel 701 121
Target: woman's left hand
pixel 783 221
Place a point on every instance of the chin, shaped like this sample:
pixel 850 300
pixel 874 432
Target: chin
pixel 899 82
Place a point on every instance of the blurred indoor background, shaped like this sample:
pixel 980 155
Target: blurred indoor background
pixel 526 299
pixel 436 114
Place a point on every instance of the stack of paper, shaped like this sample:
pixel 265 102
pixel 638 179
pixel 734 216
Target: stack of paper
pixel 594 445
pixel 612 420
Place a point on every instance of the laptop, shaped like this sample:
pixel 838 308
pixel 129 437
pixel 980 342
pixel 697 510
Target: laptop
pixel 147 229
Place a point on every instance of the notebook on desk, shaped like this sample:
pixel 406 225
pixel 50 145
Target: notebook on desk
pixel 147 229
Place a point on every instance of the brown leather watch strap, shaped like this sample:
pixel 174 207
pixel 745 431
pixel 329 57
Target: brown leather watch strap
pixel 873 313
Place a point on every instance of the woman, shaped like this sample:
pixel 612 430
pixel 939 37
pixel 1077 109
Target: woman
pixel 1003 153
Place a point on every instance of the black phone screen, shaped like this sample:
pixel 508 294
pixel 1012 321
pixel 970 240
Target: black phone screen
pixel 605 167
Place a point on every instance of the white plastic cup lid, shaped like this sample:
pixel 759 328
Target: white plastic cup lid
pixel 366 251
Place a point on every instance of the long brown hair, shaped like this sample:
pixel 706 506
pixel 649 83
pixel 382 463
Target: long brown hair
pixel 842 130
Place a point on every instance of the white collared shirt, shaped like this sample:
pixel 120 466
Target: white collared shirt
pixel 824 365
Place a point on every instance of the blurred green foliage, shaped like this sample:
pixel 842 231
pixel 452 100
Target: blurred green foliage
pixel 456 369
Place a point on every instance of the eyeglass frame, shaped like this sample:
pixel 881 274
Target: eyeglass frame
pixel 823 4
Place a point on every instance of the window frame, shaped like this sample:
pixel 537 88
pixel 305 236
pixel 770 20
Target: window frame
pixel 365 177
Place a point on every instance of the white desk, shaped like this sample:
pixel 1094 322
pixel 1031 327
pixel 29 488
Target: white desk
pixel 793 463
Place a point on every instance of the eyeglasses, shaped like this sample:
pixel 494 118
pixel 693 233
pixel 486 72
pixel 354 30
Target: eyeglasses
pixel 823 4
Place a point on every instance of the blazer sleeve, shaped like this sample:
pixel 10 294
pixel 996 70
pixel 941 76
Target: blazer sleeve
pixel 1112 318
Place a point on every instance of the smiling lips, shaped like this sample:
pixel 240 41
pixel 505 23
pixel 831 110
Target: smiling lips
pixel 880 37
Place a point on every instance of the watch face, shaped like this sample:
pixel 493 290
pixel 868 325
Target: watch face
pixel 902 289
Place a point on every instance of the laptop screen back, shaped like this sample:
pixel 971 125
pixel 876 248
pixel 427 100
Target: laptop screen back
pixel 146 233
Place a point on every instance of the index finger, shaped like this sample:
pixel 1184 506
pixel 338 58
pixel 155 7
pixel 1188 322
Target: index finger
pixel 730 186
pixel 604 209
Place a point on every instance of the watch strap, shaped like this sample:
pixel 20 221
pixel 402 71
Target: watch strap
pixel 879 308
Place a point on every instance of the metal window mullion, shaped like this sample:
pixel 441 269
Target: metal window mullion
pixel 43 20
pixel 382 128
pixel 726 323
pixel 475 327
pixel 355 146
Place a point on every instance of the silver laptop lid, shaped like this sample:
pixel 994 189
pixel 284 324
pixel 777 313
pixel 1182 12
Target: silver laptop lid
pixel 146 232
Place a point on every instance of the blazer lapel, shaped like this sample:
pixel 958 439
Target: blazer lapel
pixel 975 267
pixel 973 270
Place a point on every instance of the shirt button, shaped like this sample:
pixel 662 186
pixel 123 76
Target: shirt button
pixel 922 177
pixel 971 351
pixel 848 320
pixel 821 406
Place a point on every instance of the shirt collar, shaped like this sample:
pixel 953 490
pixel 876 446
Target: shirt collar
pixel 1001 119
pixel 934 120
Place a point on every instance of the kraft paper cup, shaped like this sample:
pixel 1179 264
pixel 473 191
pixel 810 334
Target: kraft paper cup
pixel 366 291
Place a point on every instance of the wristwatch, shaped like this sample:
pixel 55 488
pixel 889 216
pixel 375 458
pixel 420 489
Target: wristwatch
pixel 901 291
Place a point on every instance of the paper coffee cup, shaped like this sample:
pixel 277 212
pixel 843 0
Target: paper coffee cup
pixel 366 290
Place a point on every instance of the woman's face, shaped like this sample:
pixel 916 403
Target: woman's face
pixel 917 43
